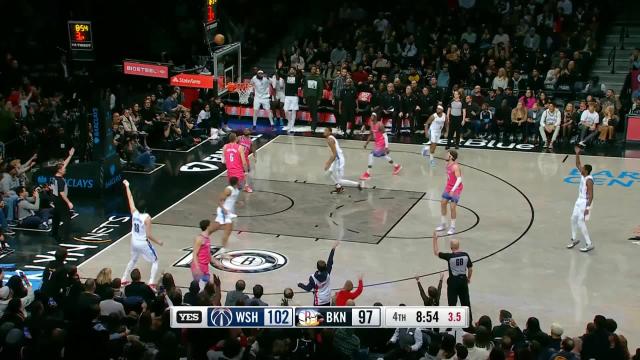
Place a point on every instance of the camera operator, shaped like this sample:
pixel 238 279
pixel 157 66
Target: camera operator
pixel 138 155
pixel 172 133
pixel 30 215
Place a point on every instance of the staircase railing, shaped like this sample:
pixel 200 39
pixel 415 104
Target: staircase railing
pixel 624 33
pixel 612 59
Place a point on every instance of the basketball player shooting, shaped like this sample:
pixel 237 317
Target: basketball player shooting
pixel 451 194
pixel 141 239
pixel 335 164
pixel 582 207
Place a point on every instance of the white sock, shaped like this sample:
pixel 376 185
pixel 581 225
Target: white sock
pixel 443 219
pixel 453 223
pixel 130 266
pixel 585 233
pixel 348 182
pixel 430 157
pixel 154 272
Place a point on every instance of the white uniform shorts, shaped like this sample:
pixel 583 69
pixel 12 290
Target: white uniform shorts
pixel 434 134
pixel 144 249
pixel 223 219
pixel 579 208
pixel 265 103
pixel 290 103
pixel 337 168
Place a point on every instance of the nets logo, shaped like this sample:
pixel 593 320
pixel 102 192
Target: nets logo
pixel 309 317
pixel 188 317
pixel 220 317
pixel 249 261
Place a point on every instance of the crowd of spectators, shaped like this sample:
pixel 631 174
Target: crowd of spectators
pixel 508 61
pixel 103 318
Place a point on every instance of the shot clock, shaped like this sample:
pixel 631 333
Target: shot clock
pixel 80 35
pixel 320 316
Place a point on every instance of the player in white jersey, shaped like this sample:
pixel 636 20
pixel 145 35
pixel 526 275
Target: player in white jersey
pixel 582 208
pixel 335 164
pixel 141 239
pixel 433 127
pixel 226 211
pixel 261 97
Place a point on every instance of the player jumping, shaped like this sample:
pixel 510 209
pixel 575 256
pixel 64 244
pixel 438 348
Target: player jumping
pixel 433 127
pixel 381 146
pixel 582 207
pixel 451 193
pixel 335 164
pixel 141 239
pixel 249 147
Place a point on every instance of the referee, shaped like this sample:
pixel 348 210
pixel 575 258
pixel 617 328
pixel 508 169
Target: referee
pixel 460 271
pixel 61 202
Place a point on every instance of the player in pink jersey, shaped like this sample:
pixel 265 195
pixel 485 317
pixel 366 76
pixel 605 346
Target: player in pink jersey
pixel 452 191
pixel 235 159
pixel 249 148
pixel 381 146
pixel 201 255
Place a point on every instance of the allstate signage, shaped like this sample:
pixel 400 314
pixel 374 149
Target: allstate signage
pixel 606 178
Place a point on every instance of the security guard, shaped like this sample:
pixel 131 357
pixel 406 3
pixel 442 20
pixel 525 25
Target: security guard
pixel 347 106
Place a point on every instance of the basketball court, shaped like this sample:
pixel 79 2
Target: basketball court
pixel 513 220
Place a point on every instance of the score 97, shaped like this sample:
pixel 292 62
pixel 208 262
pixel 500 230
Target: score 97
pixel 364 317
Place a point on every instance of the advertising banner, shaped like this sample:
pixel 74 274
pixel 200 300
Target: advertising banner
pixel 148 70
pixel 193 80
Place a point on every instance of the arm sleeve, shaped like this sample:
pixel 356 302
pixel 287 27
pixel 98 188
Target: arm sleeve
pixel 358 291
pixel 386 140
pixel 330 261
pixel 423 295
pixel 469 263
pixel 417 337
pixel 444 256
pixel 394 338
pixel 558 118
pixel 543 118
pixel 309 286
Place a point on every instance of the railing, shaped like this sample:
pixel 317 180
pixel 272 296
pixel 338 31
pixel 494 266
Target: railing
pixel 624 33
pixel 612 59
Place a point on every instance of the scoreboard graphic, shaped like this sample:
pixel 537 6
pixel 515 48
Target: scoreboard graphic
pixel 321 317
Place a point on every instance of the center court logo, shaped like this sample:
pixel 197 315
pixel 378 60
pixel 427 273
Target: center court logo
pixel 219 317
pixel 238 261
pixel 249 261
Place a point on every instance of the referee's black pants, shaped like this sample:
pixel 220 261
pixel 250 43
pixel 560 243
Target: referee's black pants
pixel 455 126
pixel 458 288
pixel 61 213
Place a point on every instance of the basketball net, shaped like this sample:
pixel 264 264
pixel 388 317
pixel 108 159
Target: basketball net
pixel 243 89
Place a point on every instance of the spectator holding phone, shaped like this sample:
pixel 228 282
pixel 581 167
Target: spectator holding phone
pixel 18 287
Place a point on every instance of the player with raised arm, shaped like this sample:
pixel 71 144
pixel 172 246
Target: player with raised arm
pixel 582 207
pixel 335 164
pixel 225 213
pixel 141 239
pixel 452 191
pixel 381 148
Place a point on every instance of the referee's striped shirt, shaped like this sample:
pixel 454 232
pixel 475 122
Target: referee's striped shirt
pixel 458 263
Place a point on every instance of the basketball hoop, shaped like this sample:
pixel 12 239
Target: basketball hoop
pixel 243 90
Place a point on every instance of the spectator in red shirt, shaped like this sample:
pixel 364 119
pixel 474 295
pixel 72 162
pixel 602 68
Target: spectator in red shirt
pixel 346 294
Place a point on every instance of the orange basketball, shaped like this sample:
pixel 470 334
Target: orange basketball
pixel 218 39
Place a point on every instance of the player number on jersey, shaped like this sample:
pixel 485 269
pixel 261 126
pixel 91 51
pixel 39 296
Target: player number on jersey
pixel 136 228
